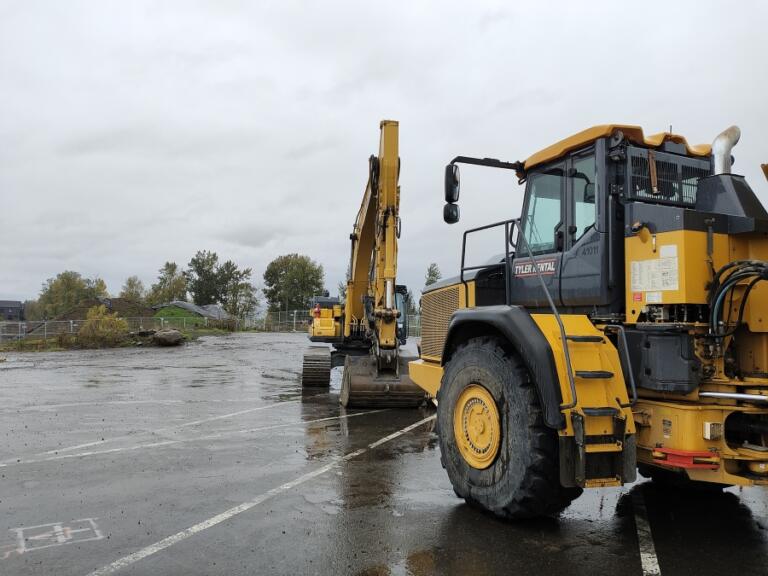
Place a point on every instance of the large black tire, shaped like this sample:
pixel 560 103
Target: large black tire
pixel 523 481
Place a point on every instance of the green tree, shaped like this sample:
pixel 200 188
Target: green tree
pixel 235 292
pixel 291 280
pixel 342 287
pixel 98 287
pixel 133 289
pixel 433 274
pixel 102 328
pixel 171 285
pixel 411 304
pixel 202 278
pixel 66 291
pixel 33 310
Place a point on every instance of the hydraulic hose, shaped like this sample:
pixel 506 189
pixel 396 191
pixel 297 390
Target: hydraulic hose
pixel 743 270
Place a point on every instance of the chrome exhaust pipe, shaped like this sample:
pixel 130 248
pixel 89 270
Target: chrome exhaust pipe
pixel 721 149
pixel 735 396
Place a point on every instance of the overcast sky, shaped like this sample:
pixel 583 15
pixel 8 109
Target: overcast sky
pixel 134 132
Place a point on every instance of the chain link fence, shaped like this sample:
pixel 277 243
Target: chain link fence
pixel 280 321
pixel 298 321
pixel 45 329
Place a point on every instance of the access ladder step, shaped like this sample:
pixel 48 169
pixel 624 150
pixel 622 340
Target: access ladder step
pixel 602 482
pixel 587 338
pixel 594 374
pixel 601 411
pixel 603 448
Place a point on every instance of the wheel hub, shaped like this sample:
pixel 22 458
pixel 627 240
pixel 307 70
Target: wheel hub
pixel 476 426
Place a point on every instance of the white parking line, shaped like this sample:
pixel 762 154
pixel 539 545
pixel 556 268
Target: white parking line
pixel 46 407
pixel 244 507
pixel 166 429
pixel 58 451
pixel 18 462
pixel 648 559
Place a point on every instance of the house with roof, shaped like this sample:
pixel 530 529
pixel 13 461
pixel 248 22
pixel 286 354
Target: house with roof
pixel 11 310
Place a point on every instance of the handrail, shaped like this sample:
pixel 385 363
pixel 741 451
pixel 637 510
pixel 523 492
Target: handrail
pixel 563 336
pixel 509 227
pixel 624 350
pixel 504 223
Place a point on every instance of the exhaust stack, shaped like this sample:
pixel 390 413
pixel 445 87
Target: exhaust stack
pixel 721 149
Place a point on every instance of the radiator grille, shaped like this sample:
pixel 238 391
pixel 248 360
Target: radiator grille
pixel 436 310
pixel 676 177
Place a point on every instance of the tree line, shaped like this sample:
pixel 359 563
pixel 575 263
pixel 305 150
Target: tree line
pixel 290 281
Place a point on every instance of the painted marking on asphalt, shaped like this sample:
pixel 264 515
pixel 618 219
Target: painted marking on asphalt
pixel 89 453
pixel 245 506
pixel 31 538
pixel 46 407
pixel 648 559
pixel 225 416
pixel 166 429
pixel 218 435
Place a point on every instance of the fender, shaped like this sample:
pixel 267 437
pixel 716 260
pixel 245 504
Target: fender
pixel 515 325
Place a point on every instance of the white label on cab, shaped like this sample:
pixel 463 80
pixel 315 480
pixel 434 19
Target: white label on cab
pixel 668 251
pixel 653 297
pixel 654 275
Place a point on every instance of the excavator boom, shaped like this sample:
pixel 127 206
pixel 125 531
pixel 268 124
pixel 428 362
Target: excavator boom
pixel 368 333
pixel 381 377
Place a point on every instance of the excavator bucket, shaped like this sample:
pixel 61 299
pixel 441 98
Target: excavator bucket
pixel 362 386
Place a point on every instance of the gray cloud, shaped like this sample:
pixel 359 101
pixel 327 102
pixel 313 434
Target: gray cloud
pixel 138 132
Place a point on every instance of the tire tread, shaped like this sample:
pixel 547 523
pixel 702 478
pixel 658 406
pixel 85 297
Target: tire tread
pixel 540 492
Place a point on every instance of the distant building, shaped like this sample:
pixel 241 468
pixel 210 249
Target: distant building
pixel 11 310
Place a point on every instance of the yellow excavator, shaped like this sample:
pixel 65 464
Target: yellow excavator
pixel 623 326
pixel 367 332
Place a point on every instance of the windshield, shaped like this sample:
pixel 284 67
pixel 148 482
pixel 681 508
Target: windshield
pixel 543 214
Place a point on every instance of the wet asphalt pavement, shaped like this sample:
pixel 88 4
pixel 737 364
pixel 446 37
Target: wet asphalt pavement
pixel 209 460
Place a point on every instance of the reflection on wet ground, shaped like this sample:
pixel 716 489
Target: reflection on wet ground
pixel 116 451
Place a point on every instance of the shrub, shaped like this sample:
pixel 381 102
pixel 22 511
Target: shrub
pixel 64 340
pixel 102 329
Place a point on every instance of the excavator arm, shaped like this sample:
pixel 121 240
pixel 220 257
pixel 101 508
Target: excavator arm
pixel 375 372
pixel 370 304
pixel 381 377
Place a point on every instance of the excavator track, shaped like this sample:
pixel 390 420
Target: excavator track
pixel 316 367
pixel 363 387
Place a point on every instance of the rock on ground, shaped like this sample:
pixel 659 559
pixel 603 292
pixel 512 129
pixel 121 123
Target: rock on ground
pixel 168 337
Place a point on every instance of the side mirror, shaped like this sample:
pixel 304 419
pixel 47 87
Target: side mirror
pixel 589 193
pixel 451 183
pixel 451 213
pixel 513 233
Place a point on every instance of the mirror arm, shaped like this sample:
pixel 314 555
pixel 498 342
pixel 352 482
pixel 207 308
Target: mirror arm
pixel 518 167
pixel 490 162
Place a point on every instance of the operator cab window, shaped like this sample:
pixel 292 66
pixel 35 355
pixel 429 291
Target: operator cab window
pixel 543 215
pixel 583 185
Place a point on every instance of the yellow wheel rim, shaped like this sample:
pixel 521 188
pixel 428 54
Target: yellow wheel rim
pixel 476 426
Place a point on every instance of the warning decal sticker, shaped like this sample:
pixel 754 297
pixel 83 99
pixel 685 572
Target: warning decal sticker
pixel 655 275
